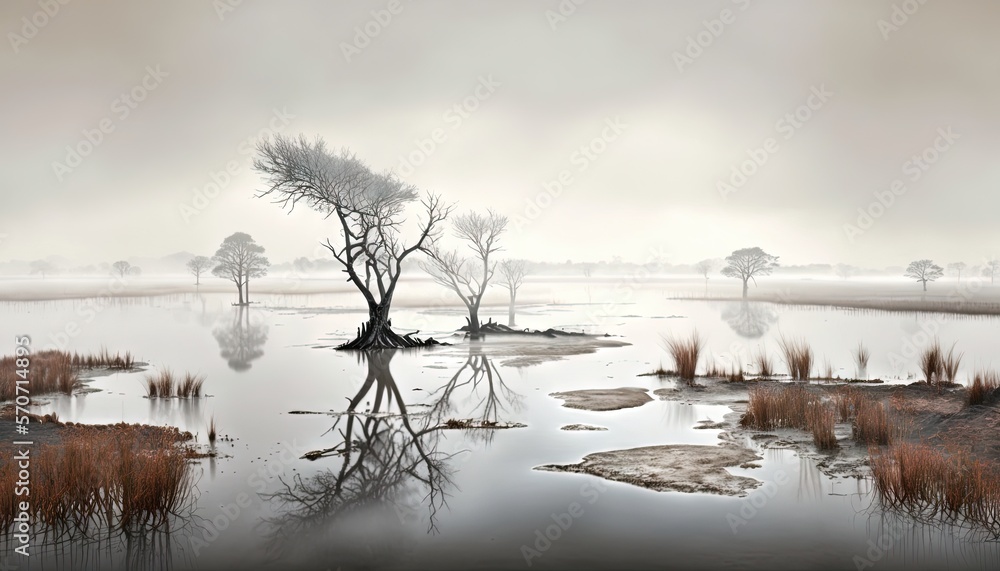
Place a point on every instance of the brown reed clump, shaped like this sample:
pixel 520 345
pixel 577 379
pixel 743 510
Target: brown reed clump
pixel 685 353
pixel 932 364
pixel 735 375
pixel 211 430
pixel 798 357
pixel 161 385
pixel 984 383
pixel 104 359
pixel 871 423
pixel 124 478
pixel 190 386
pixel 861 356
pixel 931 482
pixel 820 420
pixel 950 364
pixel 38 373
pixel 765 365
pixel 779 406
pixel 848 400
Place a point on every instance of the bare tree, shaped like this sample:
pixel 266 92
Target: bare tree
pixel 704 268
pixel 924 271
pixel 197 266
pixel 236 259
pixel 41 267
pixel 747 264
pixel 121 267
pixel 990 269
pixel 469 277
pixel 134 271
pixel 956 269
pixel 512 274
pixel 845 270
pixel 257 266
pixel 368 208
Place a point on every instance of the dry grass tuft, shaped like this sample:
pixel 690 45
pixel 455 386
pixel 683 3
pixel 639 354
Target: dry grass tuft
pixel 930 482
pixel 861 356
pixel 46 372
pixel 161 385
pixel 984 383
pixel 820 420
pixel 871 423
pixel 791 406
pixel 848 400
pixel 211 430
pixel 685 353
pixel 798 357
pixel 190 386
pixel 125 477
pixel 765 365
pixel 932 363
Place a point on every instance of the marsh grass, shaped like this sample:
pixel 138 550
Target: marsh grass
pixel 124 478
pixel 211 430
pixel 821 419
pixel 929 481
pixel 798 357
pixel 847 400
pixel 104 359
pixel 861 356
pixel 764 363
pixel 791 406
pixel 949 365
pixel 160 385
pixel 190 386
pixel 932 364
pixel 735 375
pixel 685 353
pixel 47 372
pixel 871 423
pixel 984 383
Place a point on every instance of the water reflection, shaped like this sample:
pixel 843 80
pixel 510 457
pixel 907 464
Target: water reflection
pixel 390 474
pixel 749 320
pixel 241 340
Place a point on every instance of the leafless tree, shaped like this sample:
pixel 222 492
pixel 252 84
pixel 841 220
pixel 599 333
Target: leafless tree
pixel 368 208
pixel 469 276
pixel 957 268
pixel 704 268
pixel 512 274
pixel 41 267
pixel 197 266
pixel 747 264
pixel 238 259
pixel 845 270
pixel 990 269
pixel 924 271
pixel 121 267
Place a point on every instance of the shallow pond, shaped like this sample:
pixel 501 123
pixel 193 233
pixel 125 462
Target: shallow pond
pixel 405 495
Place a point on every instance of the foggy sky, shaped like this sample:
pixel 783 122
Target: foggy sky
pixel 553 85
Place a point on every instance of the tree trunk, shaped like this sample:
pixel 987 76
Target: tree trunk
pixel 377 334
pixel 925 285
pixel 246 285
pixel 197 280
pixel 474 332
pixel 745 287
pixel 510 312
pixel 239 289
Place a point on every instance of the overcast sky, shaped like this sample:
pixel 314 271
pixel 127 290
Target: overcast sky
pixel 667 98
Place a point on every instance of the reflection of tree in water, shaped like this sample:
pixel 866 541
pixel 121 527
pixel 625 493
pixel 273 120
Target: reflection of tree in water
pixel 487 393
pixel 241 341
pixel 388 462
pixel 749 319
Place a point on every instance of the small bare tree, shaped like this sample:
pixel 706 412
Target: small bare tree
pixel 469 277
pixel 990 269
pixel 368 208
pixel 237 259
pixel 41 267
pixel 512 274
pixel 924 271
pixel 197 266
pixel 121 268
pixel 956 269
pixel 747 264
pixel 704 268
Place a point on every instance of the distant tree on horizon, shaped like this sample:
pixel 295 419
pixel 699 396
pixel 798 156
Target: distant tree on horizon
pixel 197 266
pixel 957 268
pixel 238 259
pixel 134 271
pixel 512 274
pixel 990 269
pixel 846 270
pixel 924 271
pixel 747 264
pixel 42 267
pixel 469 277
pixel 121 267
pixel 704 268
